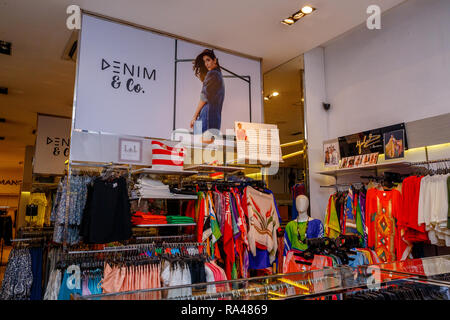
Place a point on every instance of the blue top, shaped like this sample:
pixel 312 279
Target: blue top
pixel 213 93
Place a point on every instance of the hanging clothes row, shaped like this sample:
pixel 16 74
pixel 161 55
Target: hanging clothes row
pixel 146 266
pixel 392 220
pixel 240 226
pixel 24 271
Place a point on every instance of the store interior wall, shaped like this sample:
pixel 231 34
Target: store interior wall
pixel 375 78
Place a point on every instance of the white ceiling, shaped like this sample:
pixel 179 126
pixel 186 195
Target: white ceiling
pixel 40 81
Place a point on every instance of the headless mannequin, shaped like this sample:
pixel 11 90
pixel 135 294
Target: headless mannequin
pixel 302 204
pixel 314 228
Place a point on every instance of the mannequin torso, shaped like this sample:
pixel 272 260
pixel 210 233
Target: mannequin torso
pixel 308 227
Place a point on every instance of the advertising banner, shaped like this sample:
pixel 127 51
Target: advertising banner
pixel 371 141
pixel 257 142
pixel 52 144
pixel 137 83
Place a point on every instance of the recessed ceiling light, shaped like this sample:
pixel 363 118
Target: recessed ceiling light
pixel 288 21
pixel 275 93
pixel 307 9
pixel 5 47
pixel 298 15
pixel 266 98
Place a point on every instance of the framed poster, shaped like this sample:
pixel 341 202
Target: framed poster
pixel 331 154
pixel 130 150
pixel 394 144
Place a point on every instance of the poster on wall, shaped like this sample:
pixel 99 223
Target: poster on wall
pixel 366 142
pixel 52 144
pixel 257 142
pixel 394 142
pixel 331 153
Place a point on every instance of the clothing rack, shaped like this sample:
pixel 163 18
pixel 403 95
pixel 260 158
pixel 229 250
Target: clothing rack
pixel 138 246
pixel 338 185
pixel 183 236
pixel 429 161
pixel 27 239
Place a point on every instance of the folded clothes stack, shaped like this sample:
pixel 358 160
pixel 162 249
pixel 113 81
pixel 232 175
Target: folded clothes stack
pixel 179 219
pixel 147 218
pixel 149 188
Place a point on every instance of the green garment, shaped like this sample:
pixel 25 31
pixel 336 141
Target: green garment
pixel 332 227
pixel 234 272
pixel 292 234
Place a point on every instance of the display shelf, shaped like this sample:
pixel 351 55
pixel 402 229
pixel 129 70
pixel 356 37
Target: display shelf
pixel 170 197
pixel 385 165
pixel 165 225
pixel 213 168
pixel 164 172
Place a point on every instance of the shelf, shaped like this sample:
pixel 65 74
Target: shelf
pixel 170 197
pixel 165 225
pixel 209 168
pixel 164 172
pixel 385 165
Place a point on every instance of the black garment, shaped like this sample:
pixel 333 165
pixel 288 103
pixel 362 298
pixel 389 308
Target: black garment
pixel 107 215
pixel 32 210
pixel 36 268
pixel 197 270
pixel 6 229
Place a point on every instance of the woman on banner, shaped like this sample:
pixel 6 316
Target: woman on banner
pixel 209 109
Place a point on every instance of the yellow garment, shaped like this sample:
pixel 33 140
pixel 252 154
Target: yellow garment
pixel 332 227
pixel 39 200
pixel 48 210
pixel 367 255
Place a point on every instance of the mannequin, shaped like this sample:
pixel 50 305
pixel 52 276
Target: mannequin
pixel 302 204
pixel 302 228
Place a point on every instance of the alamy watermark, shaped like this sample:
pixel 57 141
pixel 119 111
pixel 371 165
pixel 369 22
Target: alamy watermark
pixel 74 19
pixel 374 20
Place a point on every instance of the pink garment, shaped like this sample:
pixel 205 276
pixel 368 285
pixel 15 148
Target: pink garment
pixel 112 279
pixel 84 288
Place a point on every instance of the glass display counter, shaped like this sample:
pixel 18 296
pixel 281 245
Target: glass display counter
pixel 337 283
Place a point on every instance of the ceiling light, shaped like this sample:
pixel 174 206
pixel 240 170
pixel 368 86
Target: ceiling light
pixel 266 98
pixel 288 21
pixel 307 9
pixel 298 15
pixel 5 47
pixel 275 93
